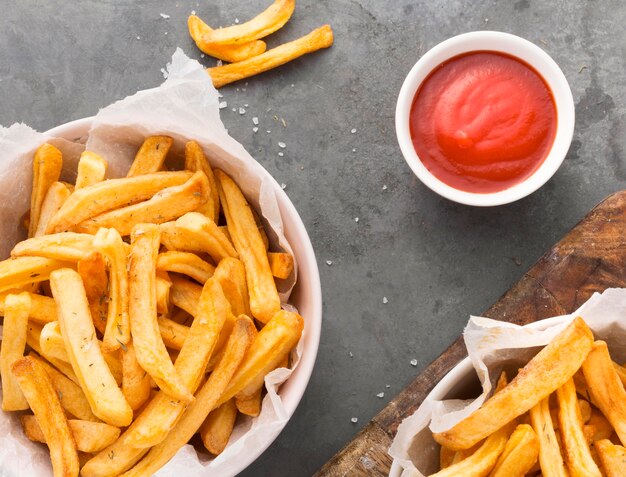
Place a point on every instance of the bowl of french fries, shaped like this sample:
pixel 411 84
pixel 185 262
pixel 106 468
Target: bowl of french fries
pixel 553 401
pixel 156 309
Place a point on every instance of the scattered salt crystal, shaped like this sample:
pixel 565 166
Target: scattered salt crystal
pixel 236 20
pixel 292 85
pixel 354 420
pixel 255 129
pixel 268 131
pixel 282 145
pixel 164 15
pixel 164 73
pixel 281 153
pixel 329 262
pixel 353 130
pixel 380 395
pixel 223 105
pixel 193 12
pixel 219 95
pixel 384 187
pixel 166 33
pixel 353 150
pixel 255 120
pixel 245 105
pixel 242 111
pixel 385 301
pixel 351 355
pixel 387 386
pixel 237 89
pixel 283 186
pixel 138 37
pixel 356 219
pixel 413 362
pixel 219 63
pixel 202 55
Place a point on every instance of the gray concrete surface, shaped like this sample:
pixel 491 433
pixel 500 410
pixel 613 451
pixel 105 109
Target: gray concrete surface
pixel 435 261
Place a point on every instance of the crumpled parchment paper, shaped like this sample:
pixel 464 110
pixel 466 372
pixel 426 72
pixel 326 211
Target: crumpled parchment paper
pixel 491 343
pixel 185 106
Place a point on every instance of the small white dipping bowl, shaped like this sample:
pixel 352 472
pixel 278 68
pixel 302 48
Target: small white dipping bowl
pixel 513 46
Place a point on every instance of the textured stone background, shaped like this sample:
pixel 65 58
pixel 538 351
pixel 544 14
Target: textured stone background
pixel 435 261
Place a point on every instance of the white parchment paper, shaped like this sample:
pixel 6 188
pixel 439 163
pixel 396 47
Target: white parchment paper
pixel 184 107
pixel 490 344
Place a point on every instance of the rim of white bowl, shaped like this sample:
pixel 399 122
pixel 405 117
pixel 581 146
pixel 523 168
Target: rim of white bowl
pixel 293 389
pixel 504 43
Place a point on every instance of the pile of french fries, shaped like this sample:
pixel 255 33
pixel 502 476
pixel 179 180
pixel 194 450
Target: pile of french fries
pixel 133 319
pixel 564 414
pixel 242 47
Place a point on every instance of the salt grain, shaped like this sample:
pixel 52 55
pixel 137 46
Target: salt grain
pixel 282 145
pixel 139 38
pixel 384 187
pixel 236 20
pixel 255 130
pixel 255 120
pixel 354 420
pixel 329 262
pixel 353 130
pixel 223 105
pixel 268 131
pixel 281 154
pixel 353 150
pixel 351 355
pixel 219 63
pixel 193 12
pixel 242 111
pixel 356 219
pixel 387 386
pixel 165 33
pixel 283 186
pixel 413 362
pixel 202 55
pixel 385 301
pixel 164 15
pixel 380 395
pixel 234 110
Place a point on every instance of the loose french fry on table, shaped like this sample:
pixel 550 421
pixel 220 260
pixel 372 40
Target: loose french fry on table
pixel 112 194
pixel 319 38
pixel 89 436
pixel 22 271
pixel 612 457
pixel 149 347
pixel 150 156
pixel 168 204
pixel 185 263
pixel 65 246
pixel 135 381
pixel 231 274
pixel 14 330
pixel 106 400
pixel 56 196
pixel 195 160
pixel 44 401
pixel 281 264
pixel 93 271
pixel 547 371
pixel 264 300
pixel 47 165
pixel 91 169
pixel 218 426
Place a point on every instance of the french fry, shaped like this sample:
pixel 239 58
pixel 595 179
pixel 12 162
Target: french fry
pixel 56 196
pixel 112 194
pixel 602 428
pixel 91 169
pixel 173 334
pixel 206 400
pixel 195 160
pixel 42 308
pixel 65 246
pixel 585 409
pixel 149 347
pixel 231 274
pixel 92 270
pixel 181 317
pixel 44 401
pixel 446 457
pixel 168 204
pixel 218 426
pixel 163 285
pixel 547 371
pixel 89 436
pixel 281 264
pixel 266 23
pixel 150 156
pixel 549 452
pixel 621 372
pixel 606 388
pixel 14 332
pixel 117 331
pixel 577 455
pixel 320 38
pixel 230 53
pixel 264 300
pixel 266 241
pixel 105 398
pixel 250 406
pixel 520 453
pixel 185 295
pixel 135 381
pixel 186 263
pixel 33 339
pixel 47 165
pixel 612 457
pixel 22 271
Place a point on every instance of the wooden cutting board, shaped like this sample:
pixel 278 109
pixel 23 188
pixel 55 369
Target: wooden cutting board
pixel 590 258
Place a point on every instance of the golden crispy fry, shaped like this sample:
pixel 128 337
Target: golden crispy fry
pixel 264 300
pixel 266 23
pixel 112 194
pixel 70 394
pixel 173 334
pixel 549 453
pixel 22 271
pixel 150 156
pixel 602 428
pixel 195 160
pixel 44 402
pixel 230 53
pixel 33 337
pixel 218 426
pixel 56 196
pixel 266 241
pixel 621 372
pixel 163 285
pixel 47 165
pixel 446 457
pixel 135 381
pixel 14 332
pixel 606 388
pixel 281 264
pixel 612 457
pixel 275 340
pixel 186 263
pixel 250 406
pixel 546 372
pixel 185 295
pixel 149 347
pixel 52 343
pixel 117 331
pixel 320 38
pixel 65 246
pixel 166 205
pixel 206 400
pixel 520 453
pixel 92 270
pixel 202 337
pixel 89 436
pixel 575 449
pixel 106 400
pixel 232 277
pixel 585 409
pixel 91 169
pixel 42 308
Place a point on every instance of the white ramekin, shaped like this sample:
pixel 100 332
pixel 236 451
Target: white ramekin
pixel 306 296
pixel 514 46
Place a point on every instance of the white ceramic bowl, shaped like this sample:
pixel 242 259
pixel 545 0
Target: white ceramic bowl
pixel 463 376
pixel 514 46
pixel 306 296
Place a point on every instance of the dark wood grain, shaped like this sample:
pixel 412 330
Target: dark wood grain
pixel 590 258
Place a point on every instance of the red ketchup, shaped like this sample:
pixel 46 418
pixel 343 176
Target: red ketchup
pixel 483 121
